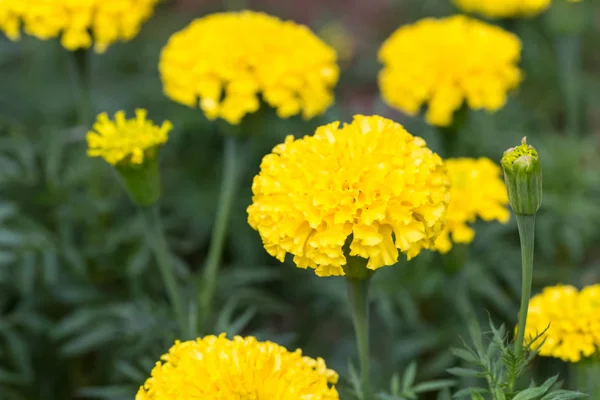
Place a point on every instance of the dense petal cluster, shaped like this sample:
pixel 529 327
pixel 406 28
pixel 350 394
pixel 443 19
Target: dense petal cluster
pixel 227 62
pixel 215 367
pixel 444 62
pixel 79 23
pixel 369 180
pixel 572 318
pixel 477 191
pixel 126 140
pixel 504 8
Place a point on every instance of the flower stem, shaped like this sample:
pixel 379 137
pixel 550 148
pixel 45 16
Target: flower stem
pixel 569 68
pixel 358 294
pixel 80 61
pixel 526 225
pixel 156 238
pixel 231 172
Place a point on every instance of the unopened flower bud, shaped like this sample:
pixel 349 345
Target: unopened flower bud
pixel 523 178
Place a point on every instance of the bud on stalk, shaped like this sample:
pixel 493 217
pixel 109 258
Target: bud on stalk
pixel 523 178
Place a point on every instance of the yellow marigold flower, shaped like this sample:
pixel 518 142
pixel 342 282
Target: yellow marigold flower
pixel 79 23
pixel 227 62
pixel 572 319
pixel 369 180
pixel 215 367
pixel 128 141
pixel 443 62
pixel 504 8
pixel 477 190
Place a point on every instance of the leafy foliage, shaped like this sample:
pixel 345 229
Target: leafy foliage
pixel 83 313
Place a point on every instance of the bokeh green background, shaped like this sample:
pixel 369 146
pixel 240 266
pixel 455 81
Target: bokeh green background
pixel 83 313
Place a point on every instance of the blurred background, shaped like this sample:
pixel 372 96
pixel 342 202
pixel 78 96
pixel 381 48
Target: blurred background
pixel 83 313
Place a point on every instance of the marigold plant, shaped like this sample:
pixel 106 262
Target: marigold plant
pixel 215 367
pixel 477 191
pixel 128 141
pixel 572 320
pixel 227 62
pixel 369 182
pixel 444 62
pixel 78 23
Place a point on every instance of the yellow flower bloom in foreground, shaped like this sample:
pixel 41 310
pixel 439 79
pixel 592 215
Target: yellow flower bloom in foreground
pixel 123 140
pixel 572 319
pixel 370 180
pixel 444 62
pixel 477 190
pixel 243 368
pixel 227 62
pixel 79 23
pixel 504 8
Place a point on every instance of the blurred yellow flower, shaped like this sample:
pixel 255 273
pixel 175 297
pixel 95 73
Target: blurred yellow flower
pixel 227 62
pixel 504 8
pixel 215 367
pixel 572 318
pixel 443 62
pixel 477 190
pixel 79 23
pixel 369 180
pixel 123 140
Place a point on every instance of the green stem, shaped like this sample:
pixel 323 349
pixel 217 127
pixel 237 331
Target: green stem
pixel 231 172
pixel 569 67
pixel 583 376
pixel 358 294
pixel 526 225
pixel 156 238
pixel 80 61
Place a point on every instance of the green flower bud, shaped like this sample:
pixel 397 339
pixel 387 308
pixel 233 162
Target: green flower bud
pixel 523 178
pixel 142 181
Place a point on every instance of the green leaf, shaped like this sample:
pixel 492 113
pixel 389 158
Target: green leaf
pixel 89 341
pixel 433 385
pixel 107 392
pixel 465 372
pixel 466 355
pixel 564 395
pixel 469 392
pixel 408 378
pixel 535 392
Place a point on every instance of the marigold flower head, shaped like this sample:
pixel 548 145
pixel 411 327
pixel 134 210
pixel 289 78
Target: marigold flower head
pixel 227 62
pixel 79 23
pixel 504 8
pixel 444 62
pixel 572 320
pixel 215 367
pixel 477 190
pixel 126 141
pixel 369 180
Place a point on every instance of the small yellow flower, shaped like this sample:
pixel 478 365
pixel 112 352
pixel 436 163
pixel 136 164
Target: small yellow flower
pixel 226 63
pixel 215 367
pixel 444 62
pixel 370 181
pixel 504 8
pixel 477 190
pixel 572 318
pixel 79 23
pixel 126 141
